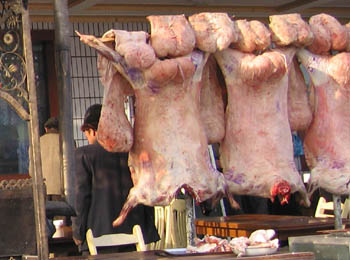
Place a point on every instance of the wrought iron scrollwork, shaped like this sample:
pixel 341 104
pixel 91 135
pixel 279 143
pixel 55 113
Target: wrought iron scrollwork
pixel 13 184
pixel 12 63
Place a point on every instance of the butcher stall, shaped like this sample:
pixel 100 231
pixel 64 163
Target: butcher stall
pixel 194 82
pixel 244 85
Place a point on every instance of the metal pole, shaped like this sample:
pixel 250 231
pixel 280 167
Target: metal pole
pixel 190 226
pixel 63 69
pixel 337 212
pixel 35 168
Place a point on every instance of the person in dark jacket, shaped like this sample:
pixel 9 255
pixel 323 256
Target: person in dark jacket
pixel 102 184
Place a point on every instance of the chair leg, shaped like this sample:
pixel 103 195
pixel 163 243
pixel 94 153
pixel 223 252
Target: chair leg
pixel 168 217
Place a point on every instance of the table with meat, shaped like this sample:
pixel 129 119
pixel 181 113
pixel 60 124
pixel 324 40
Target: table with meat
pixel 209 78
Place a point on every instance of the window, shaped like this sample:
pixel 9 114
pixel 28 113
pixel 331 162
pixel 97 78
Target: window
pixel 14 141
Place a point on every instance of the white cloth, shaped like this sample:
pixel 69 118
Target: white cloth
pixel 51 164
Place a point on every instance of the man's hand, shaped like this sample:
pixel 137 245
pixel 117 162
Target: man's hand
pixel 77 241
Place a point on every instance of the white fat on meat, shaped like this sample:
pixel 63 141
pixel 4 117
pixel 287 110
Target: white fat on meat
pixel 212 111
pixel 327 140
pixel 252 36
pixel 133 47
pixel 171 35
pixel 170 148
pixel 290 29
pixel 239 244
pixel 115 133
pixel 213 31
pixel 209 244
pixel 257 151
pixel 329 34
pixel 262 35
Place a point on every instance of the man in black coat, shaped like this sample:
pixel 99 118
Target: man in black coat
pixel 102 185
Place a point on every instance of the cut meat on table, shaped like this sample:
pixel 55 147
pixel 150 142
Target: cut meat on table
pixel 327 140
pixel 257 151
pixel 258 239
pixel 170 149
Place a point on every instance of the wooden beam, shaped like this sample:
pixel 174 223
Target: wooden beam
pixel 300 5
pixel 40 6
pixel 95 10
pixel 164 9
pixel 72 3
pixel 81 5
pixel 342 14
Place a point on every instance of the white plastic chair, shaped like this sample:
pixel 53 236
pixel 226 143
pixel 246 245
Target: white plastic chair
pixel 346 209
pixel 175 231
pixel 116 240
pixel 159 217
pixel 325 209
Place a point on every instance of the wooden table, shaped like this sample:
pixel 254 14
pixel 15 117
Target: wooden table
pixel 63 246
pixel 244 225
pixel 155 255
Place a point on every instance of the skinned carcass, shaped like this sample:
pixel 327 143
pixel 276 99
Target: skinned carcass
pixel 327 140
pixel 257 151
pixel 114 133
pixel 170 149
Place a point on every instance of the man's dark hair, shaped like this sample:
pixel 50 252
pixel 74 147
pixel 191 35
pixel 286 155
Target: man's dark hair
pixel 51 123
pixel 92 117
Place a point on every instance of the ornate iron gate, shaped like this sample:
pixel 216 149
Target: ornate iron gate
pixel 17 87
